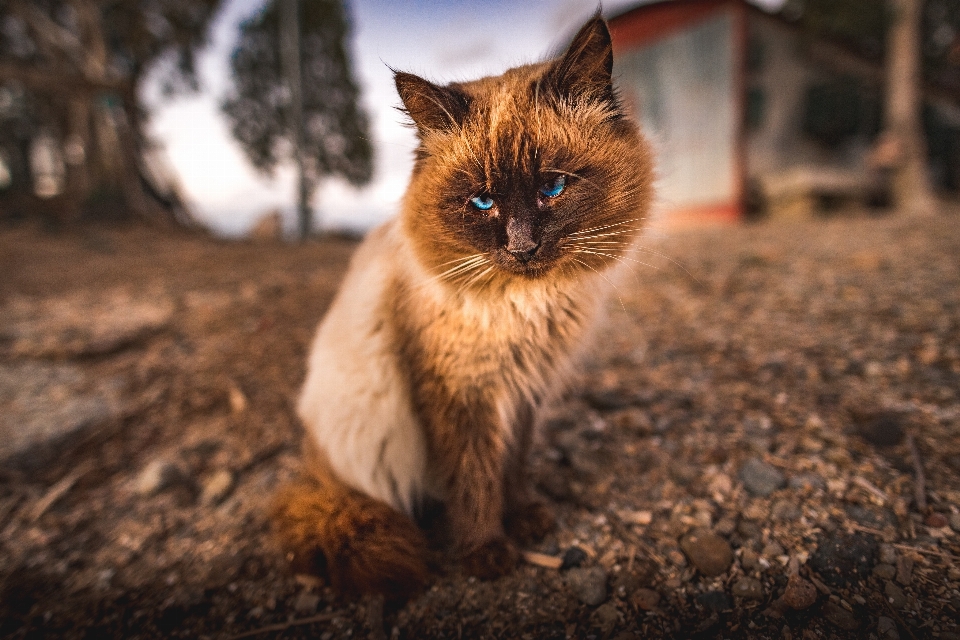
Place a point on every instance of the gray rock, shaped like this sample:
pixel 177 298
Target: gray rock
pixel 785 511
pixel 43 403
pixel 806 482
pixel 887 554
pixel 589 584
pixel 761 479
pixel 707 551
pixel 894 595
pixel 646 599
pixel 885 571
pixel 748 588
pixel 82 324
pixel 306 603
pixel 955 522
pixel 749 560
pixel 887 629
pixel 840 617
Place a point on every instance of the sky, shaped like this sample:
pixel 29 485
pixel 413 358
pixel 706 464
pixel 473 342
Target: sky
pixel 443 41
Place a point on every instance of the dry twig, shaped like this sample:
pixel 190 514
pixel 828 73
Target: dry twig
pixel 920 485
pixel 283 626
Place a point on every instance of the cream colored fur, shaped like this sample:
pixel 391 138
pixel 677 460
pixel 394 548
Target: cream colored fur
pixel 356 402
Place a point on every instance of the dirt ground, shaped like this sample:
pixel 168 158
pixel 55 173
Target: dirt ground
pixel 766 444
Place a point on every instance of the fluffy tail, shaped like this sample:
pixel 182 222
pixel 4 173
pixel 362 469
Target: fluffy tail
pixel 361 544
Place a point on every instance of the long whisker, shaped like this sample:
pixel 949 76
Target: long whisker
pixel 623 306
pixel 608 226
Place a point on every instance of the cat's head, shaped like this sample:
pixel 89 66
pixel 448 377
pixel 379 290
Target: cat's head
pixel 538 171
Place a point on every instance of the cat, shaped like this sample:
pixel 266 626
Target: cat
pixel 461 318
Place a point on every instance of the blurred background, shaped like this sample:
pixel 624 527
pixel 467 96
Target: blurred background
pixel 778 106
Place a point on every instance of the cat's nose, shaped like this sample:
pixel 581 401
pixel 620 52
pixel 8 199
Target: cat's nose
pixel 524 253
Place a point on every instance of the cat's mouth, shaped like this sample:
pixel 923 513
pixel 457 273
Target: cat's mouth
pixel 530 261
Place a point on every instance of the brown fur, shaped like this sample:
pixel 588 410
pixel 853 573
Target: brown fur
pixel 361 544
pixel 483 344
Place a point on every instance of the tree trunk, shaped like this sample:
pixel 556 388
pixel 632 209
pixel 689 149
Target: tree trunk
pixel 912 190
pixel 290 52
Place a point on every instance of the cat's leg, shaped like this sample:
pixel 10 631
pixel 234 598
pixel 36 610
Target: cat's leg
pixel 468 452
pixel 526 517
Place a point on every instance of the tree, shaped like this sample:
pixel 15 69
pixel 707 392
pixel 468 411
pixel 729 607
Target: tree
pixel 260 109
pixel 916 40
pixel 72 71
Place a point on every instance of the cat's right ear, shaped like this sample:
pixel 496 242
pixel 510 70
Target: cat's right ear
pixel 431 107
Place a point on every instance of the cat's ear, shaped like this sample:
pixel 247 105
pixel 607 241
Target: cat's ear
pixel 431 107
pixel 585 70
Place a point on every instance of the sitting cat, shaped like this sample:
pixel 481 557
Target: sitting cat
pixel 462 317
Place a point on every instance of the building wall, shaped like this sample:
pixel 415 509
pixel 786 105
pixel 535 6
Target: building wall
pixel 684 88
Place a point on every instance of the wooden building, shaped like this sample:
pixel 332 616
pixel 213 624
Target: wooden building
pixel 747 112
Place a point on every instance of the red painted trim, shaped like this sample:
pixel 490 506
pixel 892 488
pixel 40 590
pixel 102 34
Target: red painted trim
pixel 649 23
pixel 720 213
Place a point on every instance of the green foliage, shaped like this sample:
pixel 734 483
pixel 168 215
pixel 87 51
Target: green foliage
pixel 335 127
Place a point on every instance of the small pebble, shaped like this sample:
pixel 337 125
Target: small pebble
pixel 785 511
pixel 589 584
pixel 840 617
pixel 806 482
pixel 306 603
pixel 646 599
pixel 749 560
pixel 573 557
pixel 885 571
pixel 894 595
pixel 799 593
pixel 158 475
pixel 761 479
pixel 607 617
pixel 904 570
pixel 887 554
pixel 216 487
pixel 725 527
pixel 748 588
pixel 772 550
pixel 715 601
pixel 955 522
pixel 887 629
pixel 749 530
pixel 707 551
pixel 936 520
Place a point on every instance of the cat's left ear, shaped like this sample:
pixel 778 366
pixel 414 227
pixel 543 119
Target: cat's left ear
pixel 430 106
pixel 586 69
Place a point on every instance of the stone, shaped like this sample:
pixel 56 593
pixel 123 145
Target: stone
pixel 842 559
pixel 749 560
pixel 904 570
pixel 748 588
pixel 883 429
pixel 887 554
pixel 806 482
pixel 936 520
pixel 772 549
pixel 606 617
pixel 894 595
pixel 159 474
pixel 589 584
pixel 887 629
pixel 707 551
pixel 715 601
pixel 955 522
pixel 799 594
pixel 216 487
pixel 645 599
pixel 43 404
pixel 761 479
pixel 840 617
pixel 785 511
pixel 749 530
pixel 306 603
pixel 573 557
pixel 885 571
pixel 83 324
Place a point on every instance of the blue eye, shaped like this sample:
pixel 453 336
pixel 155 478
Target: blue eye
pixel 482 202
pixel 555 188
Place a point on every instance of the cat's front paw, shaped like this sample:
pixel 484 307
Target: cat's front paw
pixel 531 522
pixel 491 559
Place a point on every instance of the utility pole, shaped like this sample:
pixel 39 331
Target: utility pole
pixel 290 61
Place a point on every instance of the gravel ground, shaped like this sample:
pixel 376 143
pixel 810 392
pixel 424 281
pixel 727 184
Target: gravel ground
pixel 766 444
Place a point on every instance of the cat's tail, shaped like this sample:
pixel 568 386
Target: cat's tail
pixel 362 544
